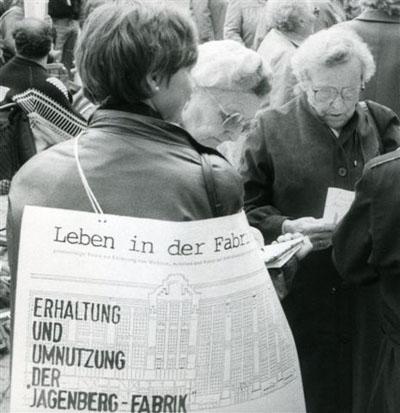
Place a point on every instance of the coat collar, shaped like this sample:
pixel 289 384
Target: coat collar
pixel 378 16
pixel 21 61
pixel 143 123
pixel 357 129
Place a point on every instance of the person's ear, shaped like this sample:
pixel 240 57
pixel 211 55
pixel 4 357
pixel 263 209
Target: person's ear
pixel 153 81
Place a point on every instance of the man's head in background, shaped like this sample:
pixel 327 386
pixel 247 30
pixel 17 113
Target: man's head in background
pixel 33 38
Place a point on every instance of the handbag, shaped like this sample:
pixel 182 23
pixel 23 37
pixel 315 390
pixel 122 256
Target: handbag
pixel 9 162
pixel 17 144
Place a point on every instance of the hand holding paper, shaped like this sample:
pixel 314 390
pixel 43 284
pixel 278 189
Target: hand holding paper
pixel 279 253
pixel 305 248
pixel 319 230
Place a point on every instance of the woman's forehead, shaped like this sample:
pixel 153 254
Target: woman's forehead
pixel 347 73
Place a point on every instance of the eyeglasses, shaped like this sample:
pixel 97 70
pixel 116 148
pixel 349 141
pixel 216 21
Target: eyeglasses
pixel 228 119
pixel 329 94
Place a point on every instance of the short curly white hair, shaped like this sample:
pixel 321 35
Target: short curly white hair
pixel 284 15
pixel 332 47
pixel 391 7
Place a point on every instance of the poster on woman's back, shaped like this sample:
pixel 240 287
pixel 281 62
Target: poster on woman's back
pixel 118 314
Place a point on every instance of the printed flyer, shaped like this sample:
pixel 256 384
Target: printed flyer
pixel 119 314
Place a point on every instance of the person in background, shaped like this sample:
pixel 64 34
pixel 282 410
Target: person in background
pixel 209 17
pixel 232 82
pixel 25 80
pixel 321 139
pixel 331 12
pixel 13 14
pixel 379 27
pixel 290 22
pixel 367 249
pixel 66 15
pixel 242 19
pixel 327 12
pixel 352 8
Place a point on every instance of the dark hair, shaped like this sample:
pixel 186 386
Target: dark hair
pixel 33 38
pixel 121 45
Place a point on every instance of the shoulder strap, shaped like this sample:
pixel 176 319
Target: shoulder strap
pixel 209 180
pixel 372 122
pixel 95 204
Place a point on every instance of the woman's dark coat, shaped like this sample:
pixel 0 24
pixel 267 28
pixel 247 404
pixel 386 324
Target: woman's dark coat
pixel 136 164
pixel 290 160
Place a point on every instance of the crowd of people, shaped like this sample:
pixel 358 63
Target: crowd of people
pixel 206 109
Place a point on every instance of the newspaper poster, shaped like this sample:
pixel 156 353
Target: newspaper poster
pixel 118 314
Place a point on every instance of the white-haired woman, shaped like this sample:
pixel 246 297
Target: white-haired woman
pixel 321 139
pixel 290 22
pixel 232 82
pixel 379 26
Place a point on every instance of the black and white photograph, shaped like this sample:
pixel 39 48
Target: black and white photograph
pixel 200 206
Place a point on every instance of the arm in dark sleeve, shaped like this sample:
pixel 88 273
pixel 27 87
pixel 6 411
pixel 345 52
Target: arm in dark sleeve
pixel 352 241
pixel 388 126
pixel 258 177
pixel 391 136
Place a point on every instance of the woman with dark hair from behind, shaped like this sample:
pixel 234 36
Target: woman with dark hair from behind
pixel 135 62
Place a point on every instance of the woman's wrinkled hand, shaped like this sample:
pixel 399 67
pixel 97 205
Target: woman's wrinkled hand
pixel 319 231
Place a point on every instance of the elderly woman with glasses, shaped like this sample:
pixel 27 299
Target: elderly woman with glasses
pixel 232 82
pixel 321 139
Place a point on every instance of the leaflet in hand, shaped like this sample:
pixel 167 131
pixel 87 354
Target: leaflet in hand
pixel 277 255
pixel 338 202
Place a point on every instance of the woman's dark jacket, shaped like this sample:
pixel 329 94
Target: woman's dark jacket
pixel 290 161
pixel 136 164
